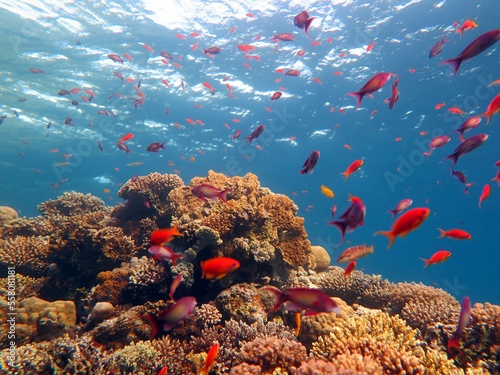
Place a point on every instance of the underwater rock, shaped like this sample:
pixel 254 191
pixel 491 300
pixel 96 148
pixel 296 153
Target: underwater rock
pixel 7 214
pixel 38 320
pixel 321 257
pixel 101 312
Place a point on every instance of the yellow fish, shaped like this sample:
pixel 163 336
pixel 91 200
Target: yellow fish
pixel 328 192
pixel 106 190
pixel 63 164
pixel 135 163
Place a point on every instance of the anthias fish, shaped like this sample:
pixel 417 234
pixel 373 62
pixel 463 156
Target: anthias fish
pixel 217 268
pixel 354 253
pixel 310 163
pixel 172 315
pixel 351 218
pixel 374 84
pixel 208 192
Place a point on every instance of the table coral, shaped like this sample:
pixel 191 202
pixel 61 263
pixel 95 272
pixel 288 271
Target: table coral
pixel 72 204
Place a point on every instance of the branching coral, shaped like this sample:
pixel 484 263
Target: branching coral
pixel 28 254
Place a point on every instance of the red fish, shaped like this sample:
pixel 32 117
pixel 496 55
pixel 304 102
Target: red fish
pixel 351 218
pixel 477 46
pixel 156 146
pixel 350 267
pixel 457 234
pixel 370 46
pixel 172 315
pixel 470 123
pixel 461 177
pixel 395 94
pixel 292 72
pixel 209 87
pixel 437 48
pixel 115 58
pixel 211 51
pixel 465 312
pixel 310 163
pixel 217 268
pixel 303 21
pixel 210 359
pixel 246 48
pixel 148 47
pixel 163 371
pixel 402 205
pixel 437 142
pixel 407 222
pixel 255 134
pixel 36 70
pixel 127 137
pixel 437 257
pixel 164 253
pixel 208 192
pixel 493 108
pixel 485 194
pixel 175 284
pixel 285 37
pixel 276 95
pixel 456 111
pixel 354 253
pixel 467 146
pixel 439 105
pixel 497 177
pixel 161 236
pixel 314 301
pixel 355 165
pixel 166 55
pixel 374 84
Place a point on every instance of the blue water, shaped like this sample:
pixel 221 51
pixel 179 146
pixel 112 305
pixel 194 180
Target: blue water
pixel 404 33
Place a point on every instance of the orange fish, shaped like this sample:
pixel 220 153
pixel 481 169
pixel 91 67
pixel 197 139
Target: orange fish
pixel 355 165
pixel 209 360
pixel 148 48
pixel 407 222
pixel 192 122
pixel 370 46
pixel 467 25
pixel 161 236
pixel 437 257
pixel 497 82
pixel 317 80
pixel 209 86
pixel 457 234
pixel 439 106
pixel 485 194
pixel 493 108
pixel 350 267
pixel 194 46
pixel 456 111
pixel 217 268
pixel 127 137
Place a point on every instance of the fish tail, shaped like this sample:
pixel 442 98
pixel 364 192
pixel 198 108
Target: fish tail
pixel 249 139
pixel 454 158
pixel 427 262
pixel 341 227
pixel 345 174
pixel 393 213
pixel 442 233
pixel 280 297
pixel 454 63
pixel 497 179
pixel 487 115
pixel 154 324
pixel 458 30
pixel 389 235
pixel 308 24
pixel 223 195
pixel 453 343
pixel 358 96
pixel 175 257
pixel 204 51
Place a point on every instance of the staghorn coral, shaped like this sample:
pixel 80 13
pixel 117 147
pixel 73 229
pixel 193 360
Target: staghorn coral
pixel 72 204
pixel 174 354
pixel 25 286
pixel 137 358
pixel 319 367
pixel 147 196
pixel 270 353
pixel 28 254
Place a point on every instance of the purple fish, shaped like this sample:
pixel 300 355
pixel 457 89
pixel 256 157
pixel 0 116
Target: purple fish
pixel 310 163
pixel 164 253
pixel 211 50
pixel 351 218
pixel 437 48
pixel 255 134
pixel 302 21
pixel 470 123
pixel 122 146
pixel 477 46
pixel 115 58
pixel 467 146
pixel 172 315
pixel 465 312
pixel 207 192
pixel 437 142
pixel 154 147
pixel 395 94
pixel 314 301
pixel 461 177
pixel 402 205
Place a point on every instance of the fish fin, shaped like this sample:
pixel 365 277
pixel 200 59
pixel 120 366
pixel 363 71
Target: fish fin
pixel 442 233
pixel 345 174
pixel 308 24
pixel 453 344
pixel 453 157
pixel 341 226
pixel 176 256
pixel 454 63
pixel 427 262
pixel 280 297
pixel 393 213
pixel 358 96
pixel 204 51
pixel 427 153
pixel 389 235
pixel 154 324
pixel 487 115
pixel 249 139
pixel 223 195
pixel 458 30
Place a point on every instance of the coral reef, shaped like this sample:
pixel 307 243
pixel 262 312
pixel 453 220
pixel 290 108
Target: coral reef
pixel 7 214
pixel 84 281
